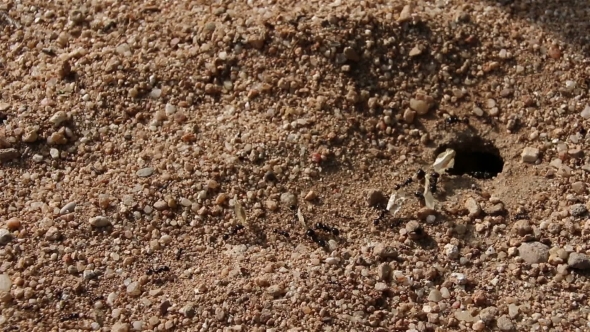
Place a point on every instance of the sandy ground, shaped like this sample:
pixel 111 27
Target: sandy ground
pixel 227 166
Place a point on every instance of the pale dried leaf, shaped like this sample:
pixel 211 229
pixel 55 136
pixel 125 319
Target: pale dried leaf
pixel 395 203
pixel 301 219
pixel 240 213
pixel 444 161
pixel 428 198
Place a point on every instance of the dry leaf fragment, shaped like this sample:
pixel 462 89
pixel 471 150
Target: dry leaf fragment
pixel 240 213
pixel 428 198
pixel 301 219
pixel 444 161
pixel 395 204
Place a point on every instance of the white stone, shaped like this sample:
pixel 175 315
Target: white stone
pixel 58 118
pixel 5 285
pixel 68 208
pixel 54 153
pixel 420 106
pixel 99 221
pixel 452 251
pixel 586 112
pixel 530 155
pixel 134 289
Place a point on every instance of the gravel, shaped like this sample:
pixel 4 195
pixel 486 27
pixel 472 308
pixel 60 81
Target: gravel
pixel 530 155
pixel 130 134
pixel 5 236
pixel 578 261
pixel 534 252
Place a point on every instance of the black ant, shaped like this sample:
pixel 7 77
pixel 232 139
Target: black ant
pixel 455 119
pixel 160 269
pixel 380 217
pixel 314 237
pixel 283 233
pixel 233 231
pixel 404 184
pixel 72 316
pixel 433 181
pixel 420 174
pixel 481 175
pixel 419 194
pixel 327 228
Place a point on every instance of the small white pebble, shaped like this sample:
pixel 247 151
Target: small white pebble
pixel 54 153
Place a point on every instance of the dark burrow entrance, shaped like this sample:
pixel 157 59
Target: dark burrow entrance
pixel 475 157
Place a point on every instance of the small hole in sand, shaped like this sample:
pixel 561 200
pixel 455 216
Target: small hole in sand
pixel 474 157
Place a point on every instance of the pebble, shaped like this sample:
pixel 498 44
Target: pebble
pixel 188 310
pixel 54 153
pixel 578 210
pixel 473 207
pixel 415 52
pixel 57 138
pixel 68 208
pixel 414 230
pixel 5 285
pixel 311 196
pixel 220 314
pixel 134 289
pixel 503 323
pixel 578 261
pixel 464 316
pixel 58 118
pixel 288 199
pixel 120 327
pixel 221 199
pixel 13 224
pixel 530 155
pixel 375 197
pixel 435 296
pixel 458 278
pixel 271 205
pixel 100 221
pixel 111 298
pixel 332 260
pixel 37 158
pixel 160 205
pixel 495 210
pixel 8 154
pixel 186 202
pixel 5 236
pixel 452 251
pixel 586 112
pixel 513 310
pixel 145 172
pixel 478 326
pixel 409 115
pixel 477 111
pixel 138 325
pixel 405 14
pixel 381 286
pixel 384 251
pixel 522 227
pixel 351 54
pixel 534 252
pixel 275 290
pixel 420 106
pixel 487 315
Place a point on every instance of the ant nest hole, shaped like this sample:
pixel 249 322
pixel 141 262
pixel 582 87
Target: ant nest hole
pixel 474 156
